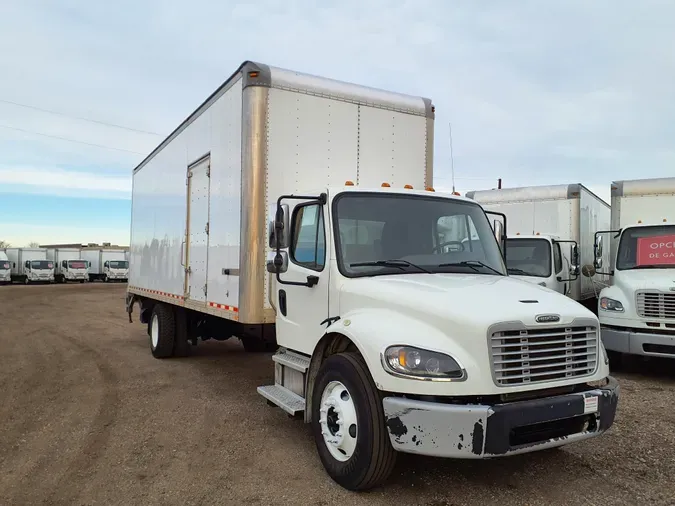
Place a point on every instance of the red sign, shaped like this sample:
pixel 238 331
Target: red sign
pixel 657 250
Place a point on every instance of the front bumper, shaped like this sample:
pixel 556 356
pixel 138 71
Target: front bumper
pixel 484 431
pixel 638 343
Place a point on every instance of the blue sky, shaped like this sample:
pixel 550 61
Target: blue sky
pixel 537 92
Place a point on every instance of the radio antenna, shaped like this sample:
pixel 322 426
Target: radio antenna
pixel 452 160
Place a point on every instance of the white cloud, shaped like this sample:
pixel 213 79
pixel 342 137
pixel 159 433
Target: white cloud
pixel 55 180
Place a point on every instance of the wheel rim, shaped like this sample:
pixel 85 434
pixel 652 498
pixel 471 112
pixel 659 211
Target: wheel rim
pixel 337 418
pixel 154 331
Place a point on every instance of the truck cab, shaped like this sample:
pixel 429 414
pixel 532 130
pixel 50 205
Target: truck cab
pixel 115 270
pixel 545 260
pixel 637 310
pixel 385 324
pixel 74 270
pixel 38 271
pixel 5 269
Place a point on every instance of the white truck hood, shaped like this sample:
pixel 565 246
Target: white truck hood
pixel 476 299
pixel 629 281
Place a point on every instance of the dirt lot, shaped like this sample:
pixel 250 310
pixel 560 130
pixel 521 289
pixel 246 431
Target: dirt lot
pixel 87 416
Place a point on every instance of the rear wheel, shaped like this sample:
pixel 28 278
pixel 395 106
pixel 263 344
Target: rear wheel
pixel 348 424
pixel 162 331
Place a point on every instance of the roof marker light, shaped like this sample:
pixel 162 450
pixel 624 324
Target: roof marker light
pixel 430 189
pixel 386 185
pixel 409 187
pixel 349 183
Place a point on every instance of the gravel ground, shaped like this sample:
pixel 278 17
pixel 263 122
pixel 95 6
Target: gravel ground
pixel 87 416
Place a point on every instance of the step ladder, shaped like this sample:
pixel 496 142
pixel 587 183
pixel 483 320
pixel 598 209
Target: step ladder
pixel 288 391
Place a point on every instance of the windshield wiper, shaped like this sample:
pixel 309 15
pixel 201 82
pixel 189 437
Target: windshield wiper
pixel 473 264
pixel 514 270
pixel 401 264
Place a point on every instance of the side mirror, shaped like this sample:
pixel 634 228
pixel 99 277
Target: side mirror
pixel 278 264
pixel 498 228
pixel 279 229
pixel 574 267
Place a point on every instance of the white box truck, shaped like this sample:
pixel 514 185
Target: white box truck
pixel 637 312
pixel 5 269
pixel 30 265
pixel 292 211
pixel 106 264
pixel 551 234
pixel 68 265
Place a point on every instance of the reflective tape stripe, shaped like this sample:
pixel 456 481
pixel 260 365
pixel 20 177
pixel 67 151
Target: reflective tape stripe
pixel 224 306
pixel 157 292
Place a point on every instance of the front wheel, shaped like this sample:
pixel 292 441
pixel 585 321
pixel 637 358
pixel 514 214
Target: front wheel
pixel 349 425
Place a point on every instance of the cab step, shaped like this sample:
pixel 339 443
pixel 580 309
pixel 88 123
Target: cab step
pixel 292 360
pixel 281 396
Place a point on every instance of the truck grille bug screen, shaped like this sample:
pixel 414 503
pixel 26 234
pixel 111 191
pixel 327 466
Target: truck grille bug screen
pixel 538 355
pixel 656 305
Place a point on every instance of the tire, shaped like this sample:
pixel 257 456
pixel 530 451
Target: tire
pixel 372 457
pixel 181 345
pixel 105 278
pixel 162 331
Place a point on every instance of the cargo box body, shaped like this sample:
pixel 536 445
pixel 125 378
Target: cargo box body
pixel 201 201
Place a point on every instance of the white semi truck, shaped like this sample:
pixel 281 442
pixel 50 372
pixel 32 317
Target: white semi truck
pixel 551 234
pixel 294 212
pixel 30 265
pixel 5 269
pixel 106 264
pixel 68 265
pixel 637 312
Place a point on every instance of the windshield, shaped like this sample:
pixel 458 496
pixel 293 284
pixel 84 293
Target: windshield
pixel 528 257
pixel 119 264
pixel 413 234
pixel 41 264
pixel 646 247
pixel 77 264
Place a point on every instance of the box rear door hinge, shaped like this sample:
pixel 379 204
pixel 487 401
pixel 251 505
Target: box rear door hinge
pixel 205 290
pixel 206 228
pixel 208 170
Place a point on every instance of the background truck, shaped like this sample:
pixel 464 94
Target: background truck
pixel 30 265
pixel 295 212
pixel 551 234
pixel 637 312
pixel 5 269
pixel 68 265
pixel 107 264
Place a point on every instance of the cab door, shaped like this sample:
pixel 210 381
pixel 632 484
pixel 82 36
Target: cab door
pixel 302 289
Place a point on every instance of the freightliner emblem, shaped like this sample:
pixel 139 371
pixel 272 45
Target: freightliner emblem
pixel 547 318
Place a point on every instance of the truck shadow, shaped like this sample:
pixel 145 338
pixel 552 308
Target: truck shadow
pixel 635 367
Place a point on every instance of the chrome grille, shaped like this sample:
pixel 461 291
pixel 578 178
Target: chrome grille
pixel 656 305
pixel 525 356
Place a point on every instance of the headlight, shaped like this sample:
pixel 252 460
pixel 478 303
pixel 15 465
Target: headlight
pixel 417 363
pixel 608 304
